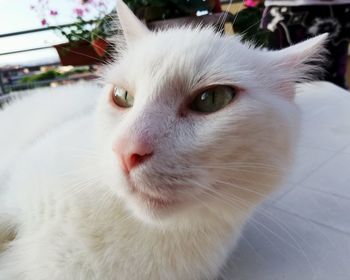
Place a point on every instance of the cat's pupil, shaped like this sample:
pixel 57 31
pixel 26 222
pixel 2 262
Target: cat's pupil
pixel 213 99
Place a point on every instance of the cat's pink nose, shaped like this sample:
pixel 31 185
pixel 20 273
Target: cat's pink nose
pixel 132 154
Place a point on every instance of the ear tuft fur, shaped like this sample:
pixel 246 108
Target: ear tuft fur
pixel 304 61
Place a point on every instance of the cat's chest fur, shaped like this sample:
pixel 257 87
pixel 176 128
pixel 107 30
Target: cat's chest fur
pixel 85 233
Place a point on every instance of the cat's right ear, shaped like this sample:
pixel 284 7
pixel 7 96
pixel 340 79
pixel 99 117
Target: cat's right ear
pixel 300 62
pixel 132 27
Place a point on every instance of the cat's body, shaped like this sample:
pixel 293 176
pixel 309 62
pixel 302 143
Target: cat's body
pixel 76 204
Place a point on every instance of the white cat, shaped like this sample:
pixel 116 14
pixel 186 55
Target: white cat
pixel 192 130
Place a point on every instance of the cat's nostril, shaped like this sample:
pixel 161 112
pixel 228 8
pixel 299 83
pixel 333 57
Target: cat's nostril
pixel 134 155
pixel 136 159
pixel 132 152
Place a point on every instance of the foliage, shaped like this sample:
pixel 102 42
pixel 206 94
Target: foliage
pixel 247 24
pixel 88 28
pixel 104 26
pixel 53 74
pixel 90 19
pixel 48 75
pixel 77 70
pixel 78 31
pixel 164 9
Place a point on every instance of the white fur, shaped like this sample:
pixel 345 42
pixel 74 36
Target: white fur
pixel 66 210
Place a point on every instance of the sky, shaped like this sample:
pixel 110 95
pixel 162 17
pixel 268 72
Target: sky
pixel 17 15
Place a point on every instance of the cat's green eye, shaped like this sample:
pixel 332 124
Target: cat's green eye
pixel 122 97
pixel 213 99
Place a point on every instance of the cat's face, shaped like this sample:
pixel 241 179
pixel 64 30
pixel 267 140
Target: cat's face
pixel 191 120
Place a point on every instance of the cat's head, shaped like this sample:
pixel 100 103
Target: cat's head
pixel 191 119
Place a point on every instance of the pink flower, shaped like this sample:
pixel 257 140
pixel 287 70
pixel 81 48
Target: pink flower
pixel 79 12
pixel 53 12
pixel 252 3
pixel 43 22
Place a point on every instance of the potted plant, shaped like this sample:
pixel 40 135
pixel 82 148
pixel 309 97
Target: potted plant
pixel 86 38
pixel 101 32
pixel 78 50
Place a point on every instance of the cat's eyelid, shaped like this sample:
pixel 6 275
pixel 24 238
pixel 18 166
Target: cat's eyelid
pixel 208 83
pixel 201 89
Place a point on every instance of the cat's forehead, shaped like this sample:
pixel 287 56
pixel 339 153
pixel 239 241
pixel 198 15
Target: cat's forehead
pixel 182 58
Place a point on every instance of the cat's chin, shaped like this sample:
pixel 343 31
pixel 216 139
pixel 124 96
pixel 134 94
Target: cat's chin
pixel 155 212
pixel 152 208
pixel 152 201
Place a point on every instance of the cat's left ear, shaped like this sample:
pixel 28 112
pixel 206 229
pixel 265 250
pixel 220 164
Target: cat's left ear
pixel 300 62
pixel 132 27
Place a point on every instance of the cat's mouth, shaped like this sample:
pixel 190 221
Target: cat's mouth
pixel 152 200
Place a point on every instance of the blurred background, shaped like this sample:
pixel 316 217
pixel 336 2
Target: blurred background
pixel 54 42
